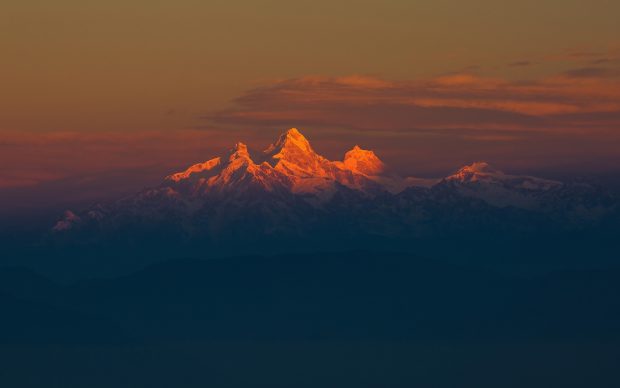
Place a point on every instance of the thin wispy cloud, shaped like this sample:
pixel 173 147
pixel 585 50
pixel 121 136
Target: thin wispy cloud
pixel 593 72
pixel 521 64
pixel 461 100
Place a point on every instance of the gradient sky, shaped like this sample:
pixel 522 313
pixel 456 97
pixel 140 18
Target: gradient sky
pixel 118 93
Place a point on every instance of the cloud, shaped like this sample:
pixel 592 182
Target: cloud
pixel 601 61
pixel 453 101
pixel 580 54
pixel 593 72
pixel 584 56
pixel 521 64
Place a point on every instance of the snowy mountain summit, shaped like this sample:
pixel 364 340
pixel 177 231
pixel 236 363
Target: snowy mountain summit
pixel 480 180
pixel 289 164
pixel 482 172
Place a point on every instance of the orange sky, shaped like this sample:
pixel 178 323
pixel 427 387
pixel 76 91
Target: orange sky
pixel 113 89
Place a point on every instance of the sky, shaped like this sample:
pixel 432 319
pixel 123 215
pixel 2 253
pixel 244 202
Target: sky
pixel 98 98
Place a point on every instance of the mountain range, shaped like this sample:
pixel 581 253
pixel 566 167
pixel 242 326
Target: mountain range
pixel 290 197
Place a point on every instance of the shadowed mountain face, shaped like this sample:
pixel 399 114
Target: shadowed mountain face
pixel 288 198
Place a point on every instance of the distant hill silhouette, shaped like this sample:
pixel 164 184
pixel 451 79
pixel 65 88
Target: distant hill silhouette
pixel 356 319
pixel 329 297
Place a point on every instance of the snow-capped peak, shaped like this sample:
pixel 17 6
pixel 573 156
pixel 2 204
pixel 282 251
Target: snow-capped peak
pixel 293 155
pixel 480 180
pixel 240 151
pixel 363 161
pixel 291 147
pixel 482 172
pixel 477 171
pixel 288 141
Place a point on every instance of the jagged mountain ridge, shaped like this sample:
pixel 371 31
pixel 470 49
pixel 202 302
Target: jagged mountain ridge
pixel 480 180
pixel 289 164
pixel 290 190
